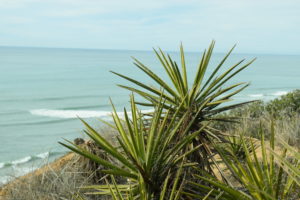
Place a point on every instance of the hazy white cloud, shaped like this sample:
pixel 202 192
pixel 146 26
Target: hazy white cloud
pixel 81 7
pixel 10 20
pixel 258 26
pixel 16 3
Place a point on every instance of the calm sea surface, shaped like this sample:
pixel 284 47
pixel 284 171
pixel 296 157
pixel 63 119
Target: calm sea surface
pixel 42 91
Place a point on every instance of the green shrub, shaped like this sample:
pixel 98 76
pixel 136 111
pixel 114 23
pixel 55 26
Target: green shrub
pixel 284 111
pixel 286 104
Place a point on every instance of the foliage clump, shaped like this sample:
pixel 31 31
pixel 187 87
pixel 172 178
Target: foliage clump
pixel 286 104
pixel 284 111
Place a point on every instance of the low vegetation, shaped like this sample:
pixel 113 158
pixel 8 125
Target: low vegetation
pixel 284 112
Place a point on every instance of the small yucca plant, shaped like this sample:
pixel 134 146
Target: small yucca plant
pixel 265 175
pixel 166 193
pixel 148 156
pixel 291 163
pixel 235 146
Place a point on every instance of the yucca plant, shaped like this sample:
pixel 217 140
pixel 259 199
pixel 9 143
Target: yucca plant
pixel 201 100
pixel 147 155
pixel 290 163
pixel 173 193
pixel 206 93
pixel 235 147
pixel 258 178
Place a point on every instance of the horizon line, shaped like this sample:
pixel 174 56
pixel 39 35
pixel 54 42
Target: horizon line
pixel 173 51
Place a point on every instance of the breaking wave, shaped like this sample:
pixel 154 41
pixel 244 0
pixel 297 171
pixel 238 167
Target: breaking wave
pixel 279 93
pixel 256 95
pixel 67 114
pixel 27 159
pixel 268 96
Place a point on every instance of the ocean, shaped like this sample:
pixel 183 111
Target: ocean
pixel 44 90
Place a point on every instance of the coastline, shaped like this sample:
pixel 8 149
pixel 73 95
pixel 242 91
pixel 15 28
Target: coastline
pixel 56 165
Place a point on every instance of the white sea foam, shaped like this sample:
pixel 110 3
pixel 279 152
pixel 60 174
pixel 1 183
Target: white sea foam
pixel 2 165
pixel 43 155
pixel 17 171
pixel 67 114
pixel 20 171
pixel 256 95
pixel 22 160
pixel 5 179
pixel 279 93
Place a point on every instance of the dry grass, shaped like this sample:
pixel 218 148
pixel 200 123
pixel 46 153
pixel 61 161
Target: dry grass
pixel 287 128
pixel 59 180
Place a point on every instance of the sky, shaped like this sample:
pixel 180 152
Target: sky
pixel 256 26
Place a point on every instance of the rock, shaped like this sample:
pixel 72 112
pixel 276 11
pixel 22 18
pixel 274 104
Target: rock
pixel 79 141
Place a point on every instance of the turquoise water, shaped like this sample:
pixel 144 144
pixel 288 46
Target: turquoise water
pixel 43 90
